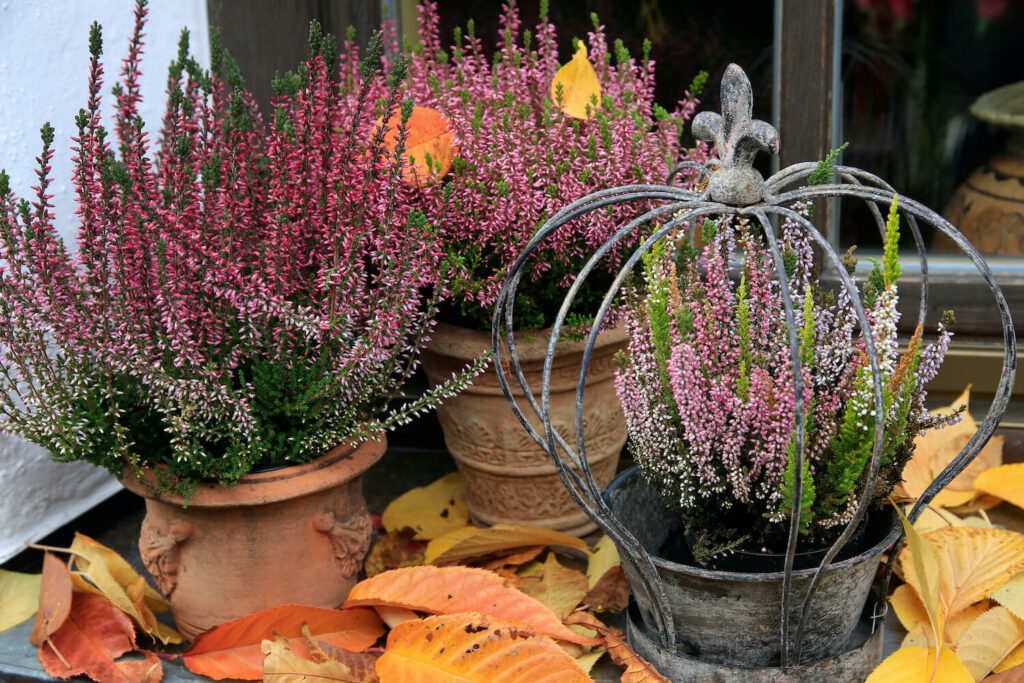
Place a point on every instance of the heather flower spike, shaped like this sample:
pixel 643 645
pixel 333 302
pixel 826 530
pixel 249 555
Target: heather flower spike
pixel 738 138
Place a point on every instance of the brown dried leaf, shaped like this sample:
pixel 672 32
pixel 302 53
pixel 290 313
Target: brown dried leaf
pixel 635 668
pixel 471 542
pixel 54 599
pixel 361 664
pixel 281 665
pixel 394 550
pixel 515 558
pixel 610 593
pixel 1013 675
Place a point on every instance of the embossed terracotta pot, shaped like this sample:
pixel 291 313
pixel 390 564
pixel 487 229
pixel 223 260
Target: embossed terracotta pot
pixel 508 477
pixel 290 535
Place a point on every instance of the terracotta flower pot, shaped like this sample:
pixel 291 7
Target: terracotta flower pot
pixel 508 477
pixel 291 535
pixel 988 207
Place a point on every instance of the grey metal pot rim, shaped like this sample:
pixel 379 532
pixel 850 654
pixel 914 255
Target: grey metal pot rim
pixel 756 577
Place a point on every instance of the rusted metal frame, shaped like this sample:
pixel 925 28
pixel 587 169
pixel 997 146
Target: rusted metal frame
pixel 643 560
pixel 855 176
pixel 640 559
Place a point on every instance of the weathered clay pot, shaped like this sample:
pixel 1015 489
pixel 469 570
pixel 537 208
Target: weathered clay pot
pixel 290 535
pixel 731 618
pixel 988 207
pixel 508 477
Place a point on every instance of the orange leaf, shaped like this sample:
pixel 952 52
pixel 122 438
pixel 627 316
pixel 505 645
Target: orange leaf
pixel 610 593
pixel 474 647
pixel 232 650
pixel 453 590
pixel 920 665
pixel 429 135
pixel 54 599
pixel 579 86
pixel 636 668
pixel 94 634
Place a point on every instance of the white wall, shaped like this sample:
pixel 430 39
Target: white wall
pixel 44 61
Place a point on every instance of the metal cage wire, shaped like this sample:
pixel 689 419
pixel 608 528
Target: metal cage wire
pixel 734 188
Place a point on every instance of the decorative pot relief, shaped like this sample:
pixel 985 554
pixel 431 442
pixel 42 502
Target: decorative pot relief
pixel 160 548
pixel 350 538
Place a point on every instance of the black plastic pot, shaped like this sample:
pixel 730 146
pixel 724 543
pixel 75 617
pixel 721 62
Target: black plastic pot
pixel 733 618
pixel 751 561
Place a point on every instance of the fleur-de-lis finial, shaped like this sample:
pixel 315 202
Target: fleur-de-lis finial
pixel 738 139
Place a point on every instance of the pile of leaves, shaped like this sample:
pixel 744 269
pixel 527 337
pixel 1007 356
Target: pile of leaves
pixel 442 599
pixel 962 602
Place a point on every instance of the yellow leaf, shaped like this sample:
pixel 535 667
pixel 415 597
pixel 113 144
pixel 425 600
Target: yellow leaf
pixel 558 587
pixel 915 665
pixel 603 557
pixel 908 606
pixel 988 641
pixel 129 592
pixel 474 647
pixel 973 564
pixel 919 636
pixel 117 567
pixel 19 597
pixel 936 448
pixel 580 88
pixel 1015 658
pixel 1006 482
pixel 922 572
pixel 281 665
pixel 589 659
pixel 958 623
pixel 430 511
pixel 933 518
pixel 1011 595
pixel 469 542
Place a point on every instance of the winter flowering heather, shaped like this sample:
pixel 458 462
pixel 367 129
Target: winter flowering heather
pixel 521 158
pixel 243 293
pixel 708 392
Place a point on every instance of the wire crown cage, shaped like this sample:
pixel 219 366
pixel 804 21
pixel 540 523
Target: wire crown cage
pixel 734 188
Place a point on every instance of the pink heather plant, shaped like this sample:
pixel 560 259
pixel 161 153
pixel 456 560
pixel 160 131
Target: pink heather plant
pixel 243 294
pixel 707 386
pixel 520 159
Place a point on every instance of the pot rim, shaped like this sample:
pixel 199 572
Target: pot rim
pixel 623 477
pixel 338 466
pixel 466 343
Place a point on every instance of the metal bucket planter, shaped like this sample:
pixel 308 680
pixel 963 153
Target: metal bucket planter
pixel 732 618
pixel 693 624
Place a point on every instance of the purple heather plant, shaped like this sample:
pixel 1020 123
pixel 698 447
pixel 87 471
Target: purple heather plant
pixel 520 157
pixel 242 294
pixel 708 392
